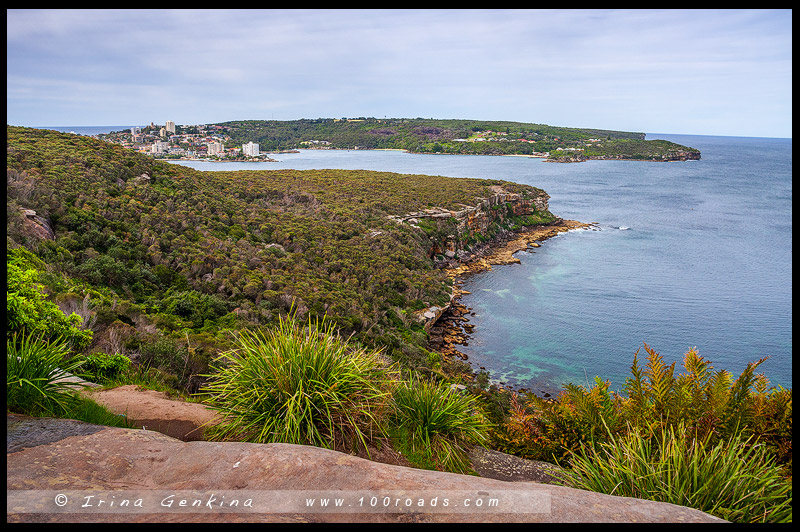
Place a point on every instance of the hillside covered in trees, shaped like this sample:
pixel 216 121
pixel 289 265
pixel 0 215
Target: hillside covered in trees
pixel 154 254
pixel 476 137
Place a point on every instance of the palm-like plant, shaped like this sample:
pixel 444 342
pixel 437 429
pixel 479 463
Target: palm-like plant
pixel 301 385
pixel 36 373
pixel 439 422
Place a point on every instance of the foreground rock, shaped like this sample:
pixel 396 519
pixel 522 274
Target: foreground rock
pixel 60 470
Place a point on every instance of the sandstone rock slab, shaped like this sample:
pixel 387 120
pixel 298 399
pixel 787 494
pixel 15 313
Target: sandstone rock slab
pixel 116 464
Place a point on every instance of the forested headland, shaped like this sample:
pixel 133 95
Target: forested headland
pixel 420 135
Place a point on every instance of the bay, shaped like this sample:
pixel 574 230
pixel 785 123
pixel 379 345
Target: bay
pixel 685 254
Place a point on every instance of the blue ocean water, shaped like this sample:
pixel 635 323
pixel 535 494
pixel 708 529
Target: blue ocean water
pixel 685 254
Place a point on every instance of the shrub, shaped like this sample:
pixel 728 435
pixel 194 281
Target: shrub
pixel 733 479
pixel 436 423
pixel 35 373
pixel 101 367
pixel 551 430
pixel 27 309
pixel 709 404
pixel 164 353
pixel 302 385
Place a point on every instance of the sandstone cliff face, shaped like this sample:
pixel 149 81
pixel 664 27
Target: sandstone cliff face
pixel 53 465
pixel 452 233
pixel 36 225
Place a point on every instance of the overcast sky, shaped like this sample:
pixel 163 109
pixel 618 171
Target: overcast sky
pixel 707 72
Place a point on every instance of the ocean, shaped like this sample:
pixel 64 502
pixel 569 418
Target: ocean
pixel 683 255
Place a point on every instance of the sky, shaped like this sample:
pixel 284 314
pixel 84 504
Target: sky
pixel 702 72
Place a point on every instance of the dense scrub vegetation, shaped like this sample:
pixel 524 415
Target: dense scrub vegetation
pixel 163 259
pixel 112 253
pixel 702 438
pixel 444 136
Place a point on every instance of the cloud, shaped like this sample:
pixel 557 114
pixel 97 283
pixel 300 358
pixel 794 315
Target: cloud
pixel 612 65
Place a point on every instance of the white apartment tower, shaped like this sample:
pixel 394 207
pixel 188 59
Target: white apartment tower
pixel 250 149
pixel 214 148
pixel 170 126
pixel 159 147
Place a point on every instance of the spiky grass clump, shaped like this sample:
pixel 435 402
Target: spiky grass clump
pixel 436 423
pixel 736 480
pixel 36 373
pixel 301 385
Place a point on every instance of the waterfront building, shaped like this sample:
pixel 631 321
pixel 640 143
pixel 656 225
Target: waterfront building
pixel 250 149
pixel 215 148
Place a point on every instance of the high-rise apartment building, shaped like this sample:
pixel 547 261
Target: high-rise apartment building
pixel 215 148
pixel 250 149
pixel 170 126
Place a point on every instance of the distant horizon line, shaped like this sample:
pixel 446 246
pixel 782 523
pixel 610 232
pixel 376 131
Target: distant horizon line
pixel 273 120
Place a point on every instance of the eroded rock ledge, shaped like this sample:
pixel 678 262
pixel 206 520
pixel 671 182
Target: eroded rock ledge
pixel 49 457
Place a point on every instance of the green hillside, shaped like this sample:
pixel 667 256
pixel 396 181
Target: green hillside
pixel 165 251
pixel 420 135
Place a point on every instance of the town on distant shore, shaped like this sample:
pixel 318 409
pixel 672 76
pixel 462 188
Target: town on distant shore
pixel 253 140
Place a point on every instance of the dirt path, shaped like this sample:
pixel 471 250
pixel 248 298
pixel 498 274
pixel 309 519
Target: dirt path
pixel 156 411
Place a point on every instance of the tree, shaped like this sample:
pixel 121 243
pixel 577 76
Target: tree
pixel 28 310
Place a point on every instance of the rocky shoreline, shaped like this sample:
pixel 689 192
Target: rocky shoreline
pixel 451 328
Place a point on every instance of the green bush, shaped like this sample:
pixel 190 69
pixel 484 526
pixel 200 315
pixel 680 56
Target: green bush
pixel 435 424
pixel 102 367
pixel 27 308
pixel 710 404
pixel 195 307
pixel 733 479
pixel 302 385
pixel 35 373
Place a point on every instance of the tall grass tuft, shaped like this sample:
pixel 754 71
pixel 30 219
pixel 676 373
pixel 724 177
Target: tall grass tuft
pixel 301 385
pixel 734 479
pixel 436 423
pixel 36 370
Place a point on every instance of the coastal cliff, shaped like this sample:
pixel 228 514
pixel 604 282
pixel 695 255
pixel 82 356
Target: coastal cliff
pixel 471 240
pixel 457 235
pixel 448 326
pixel 465 237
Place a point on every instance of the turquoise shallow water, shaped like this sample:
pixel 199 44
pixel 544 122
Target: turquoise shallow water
pixel 687 254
